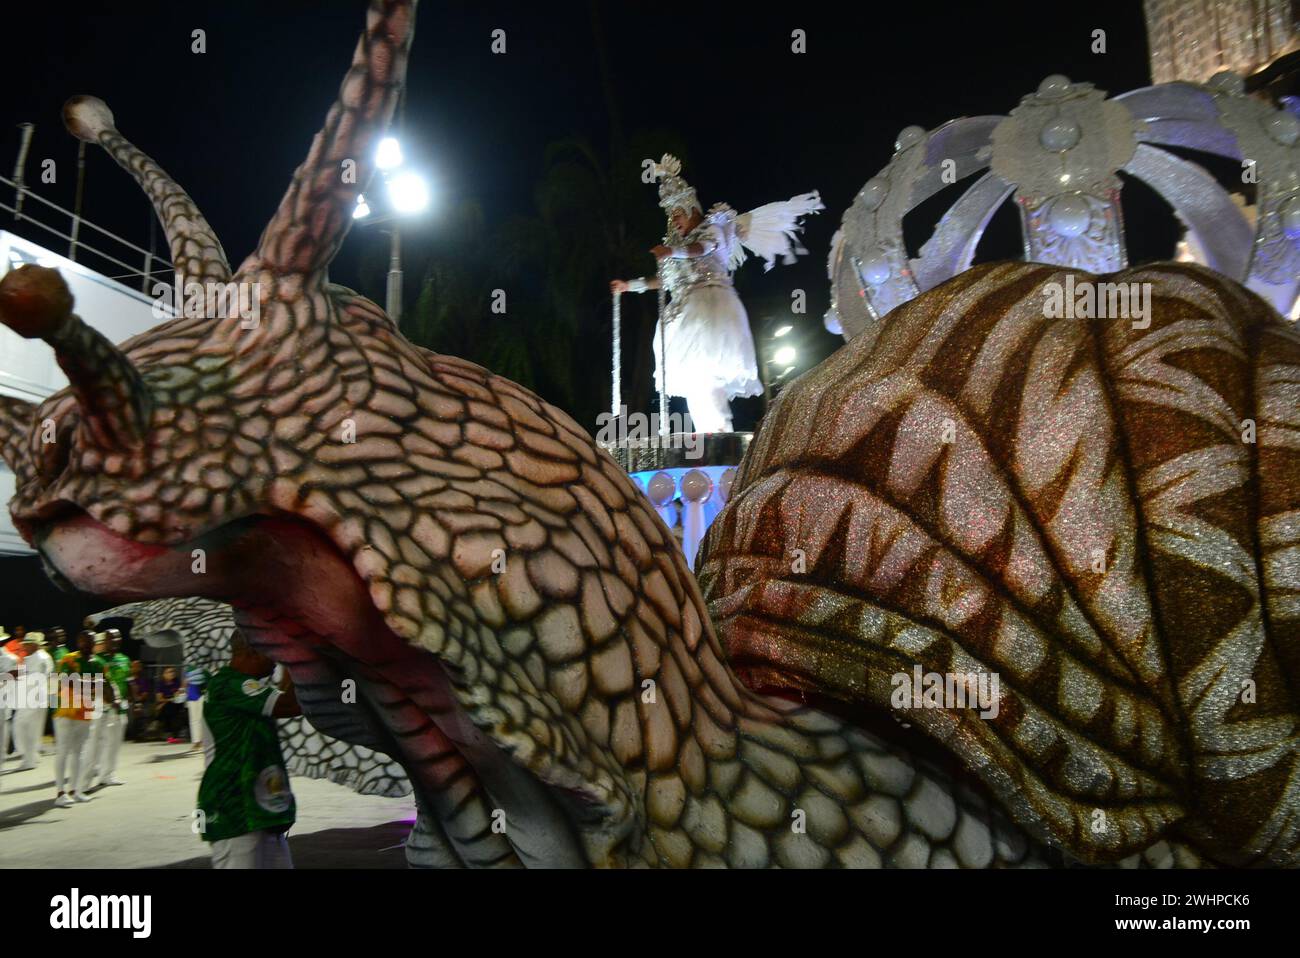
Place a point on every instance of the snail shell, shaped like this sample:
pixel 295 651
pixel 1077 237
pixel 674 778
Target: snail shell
pixel 1105 513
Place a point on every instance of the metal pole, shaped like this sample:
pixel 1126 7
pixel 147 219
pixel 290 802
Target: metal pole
pixel 615 393
pixel 76 205
pixel 394 303
pixel 20 168
pixel 148 257
pixel 663 361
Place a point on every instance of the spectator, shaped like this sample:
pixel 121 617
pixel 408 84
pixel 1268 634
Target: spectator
pixel 81 696
pixel 29 722
pixel 111 726
pixel 141 695
pixel 245 802
pixel 169 699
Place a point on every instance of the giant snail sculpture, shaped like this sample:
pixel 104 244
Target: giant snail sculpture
pixel 529 643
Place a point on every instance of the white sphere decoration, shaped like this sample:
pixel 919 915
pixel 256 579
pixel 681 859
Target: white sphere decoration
pixel 1069 215
pixel 1290 214
pixel 696 486
pixel 1282 127
pixel 1225 81
pixel 875 268
pixel 725 482
pixel 1056 85
pixel 874 193
pixel 909 136
pixel 661 489
pixel 1060 135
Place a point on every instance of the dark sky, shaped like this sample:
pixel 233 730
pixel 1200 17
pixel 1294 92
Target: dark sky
pixel 760 123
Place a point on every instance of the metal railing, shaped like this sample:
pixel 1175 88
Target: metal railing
pixel 152 264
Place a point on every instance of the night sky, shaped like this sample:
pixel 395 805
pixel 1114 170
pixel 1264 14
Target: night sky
pixel 759 122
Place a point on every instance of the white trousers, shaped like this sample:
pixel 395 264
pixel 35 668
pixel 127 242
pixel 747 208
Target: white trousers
pixel 29 726
pixel 106 742
pixel 195 710
pixel 253 850
pixel 710 411
pixel 71 739
pixel 4 734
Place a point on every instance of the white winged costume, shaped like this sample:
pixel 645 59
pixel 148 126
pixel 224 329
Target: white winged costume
pixel 708 347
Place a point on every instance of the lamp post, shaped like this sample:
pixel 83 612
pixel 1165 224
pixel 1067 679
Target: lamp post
pixel 408 194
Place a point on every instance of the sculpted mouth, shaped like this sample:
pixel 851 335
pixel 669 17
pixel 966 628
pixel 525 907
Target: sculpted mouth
pixel 357 680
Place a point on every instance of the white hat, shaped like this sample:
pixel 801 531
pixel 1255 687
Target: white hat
pixel 35 638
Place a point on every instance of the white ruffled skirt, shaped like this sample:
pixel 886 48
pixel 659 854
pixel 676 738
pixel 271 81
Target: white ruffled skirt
pixel 708 345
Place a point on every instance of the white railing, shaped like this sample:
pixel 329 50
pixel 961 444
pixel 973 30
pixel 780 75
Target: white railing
pixel 149 266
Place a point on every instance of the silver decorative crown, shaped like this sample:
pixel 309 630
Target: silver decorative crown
pixel 1058 156
pixel 674 192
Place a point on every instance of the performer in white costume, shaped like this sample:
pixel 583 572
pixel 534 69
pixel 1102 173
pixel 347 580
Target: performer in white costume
pixel 109 729
pixel 29 722
pixel 708 348
pixel 8 679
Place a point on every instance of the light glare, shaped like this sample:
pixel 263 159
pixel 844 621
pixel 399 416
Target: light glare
pixel 408 193
pixel 389 154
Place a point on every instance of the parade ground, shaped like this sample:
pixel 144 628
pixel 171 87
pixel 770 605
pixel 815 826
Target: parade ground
pixel 146 822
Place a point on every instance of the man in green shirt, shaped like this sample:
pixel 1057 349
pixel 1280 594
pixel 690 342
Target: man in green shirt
pixel 108 732
pixel 59 639
pixel 245 804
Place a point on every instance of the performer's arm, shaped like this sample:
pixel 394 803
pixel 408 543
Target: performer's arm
pixel 634 285
pixel 693 251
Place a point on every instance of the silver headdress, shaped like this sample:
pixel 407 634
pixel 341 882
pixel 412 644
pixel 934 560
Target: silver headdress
pixel 674 192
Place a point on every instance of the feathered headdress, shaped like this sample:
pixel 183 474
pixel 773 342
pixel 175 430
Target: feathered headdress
pixel 674 192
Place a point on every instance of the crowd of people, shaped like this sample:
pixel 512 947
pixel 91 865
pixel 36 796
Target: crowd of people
pixel 96 697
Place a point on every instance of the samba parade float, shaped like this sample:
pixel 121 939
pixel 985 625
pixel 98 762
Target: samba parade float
pixel 1066 487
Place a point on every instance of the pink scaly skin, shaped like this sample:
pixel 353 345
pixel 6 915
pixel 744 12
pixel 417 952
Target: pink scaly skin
pixel 520 628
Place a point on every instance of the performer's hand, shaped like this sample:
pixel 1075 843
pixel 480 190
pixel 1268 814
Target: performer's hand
pixel 661 252
pixel 618 286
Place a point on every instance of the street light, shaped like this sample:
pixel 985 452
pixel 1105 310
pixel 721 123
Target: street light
pixel 784 356
pixel 408 194
pixel 781 331
pixel 389 154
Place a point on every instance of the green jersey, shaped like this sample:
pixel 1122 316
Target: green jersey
pixel 245 786
pixel 117 669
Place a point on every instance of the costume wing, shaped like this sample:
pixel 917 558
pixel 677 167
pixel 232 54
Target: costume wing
pixel 773 230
